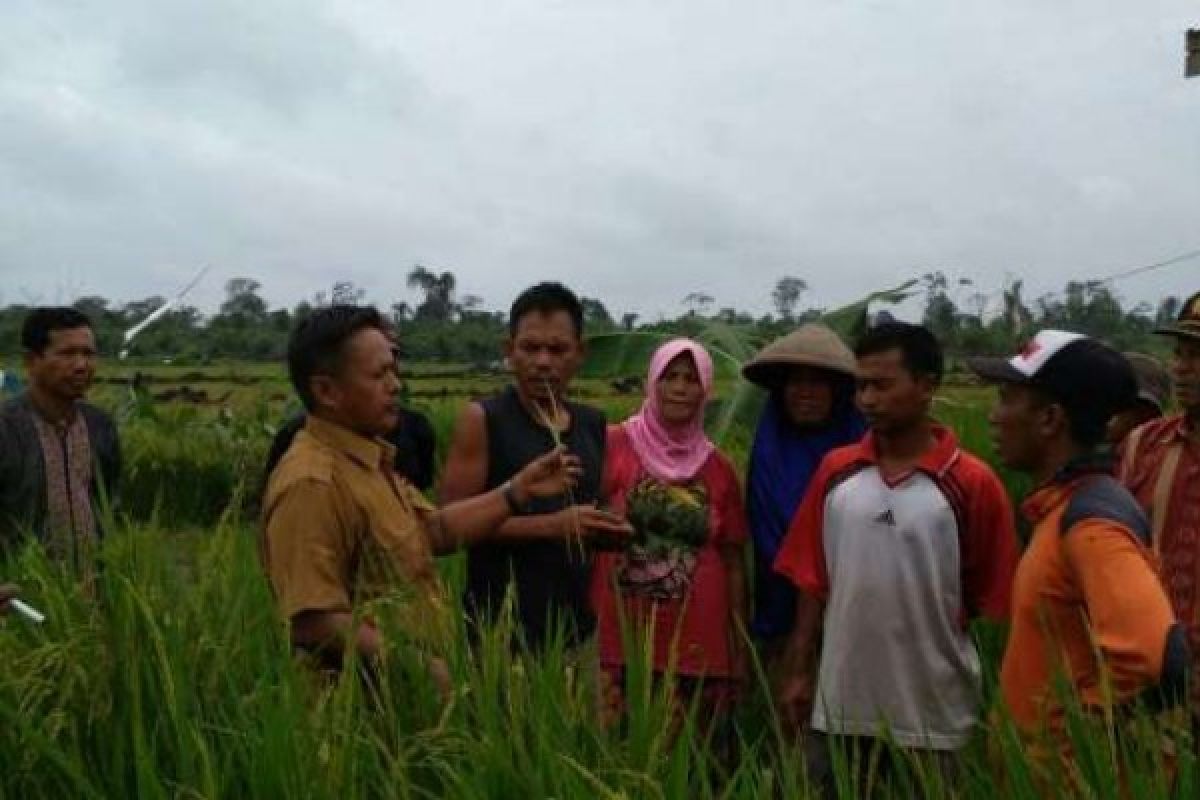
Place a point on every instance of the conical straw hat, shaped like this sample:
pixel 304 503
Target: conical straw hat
pixel 810 345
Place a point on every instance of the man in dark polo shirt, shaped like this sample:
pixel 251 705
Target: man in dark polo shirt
pixel 539 552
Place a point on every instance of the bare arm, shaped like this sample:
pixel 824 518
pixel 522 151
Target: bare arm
pixel 469 515
pixel 334 632
pixel 467 521
pixel 465 472
pixel 797 685
pixel 331 633
pixel 465 476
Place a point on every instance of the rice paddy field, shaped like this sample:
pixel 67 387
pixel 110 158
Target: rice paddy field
pixel 169 676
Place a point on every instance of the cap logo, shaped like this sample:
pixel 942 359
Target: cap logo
pixel 1040 349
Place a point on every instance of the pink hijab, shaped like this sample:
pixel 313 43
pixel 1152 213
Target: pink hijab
pixel 671 454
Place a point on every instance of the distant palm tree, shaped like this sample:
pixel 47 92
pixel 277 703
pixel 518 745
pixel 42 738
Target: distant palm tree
pixel 439 303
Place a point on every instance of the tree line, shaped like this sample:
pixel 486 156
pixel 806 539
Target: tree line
pixel 447 326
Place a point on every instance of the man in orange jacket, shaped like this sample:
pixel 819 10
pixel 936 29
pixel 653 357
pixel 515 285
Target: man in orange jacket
pixel 1087 605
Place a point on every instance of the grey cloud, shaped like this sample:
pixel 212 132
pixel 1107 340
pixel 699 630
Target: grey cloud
pixel 639 151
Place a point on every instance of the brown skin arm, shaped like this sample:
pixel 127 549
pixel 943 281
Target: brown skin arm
pixel 467 521
pixel 796 688
pixel 325 631
pixel 334 630
pixel 732 556
pixel 469 516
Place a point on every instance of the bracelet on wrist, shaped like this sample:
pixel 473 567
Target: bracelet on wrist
pixel 515 507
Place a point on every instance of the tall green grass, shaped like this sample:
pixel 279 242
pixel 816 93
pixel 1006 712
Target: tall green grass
pixel 174 679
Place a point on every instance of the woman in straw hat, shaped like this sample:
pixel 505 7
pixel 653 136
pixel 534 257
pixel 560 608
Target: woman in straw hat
pixel 810 411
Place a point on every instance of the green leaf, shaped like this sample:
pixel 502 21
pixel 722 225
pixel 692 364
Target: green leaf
pixel 850 321
pixel 627 353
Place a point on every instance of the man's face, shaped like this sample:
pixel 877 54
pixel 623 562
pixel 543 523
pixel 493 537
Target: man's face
pixel 67 365
pixel 890 397
pixel 1017 420
pixel 808 396
pixel 1185 369
pixel 362 395
pixel 544 354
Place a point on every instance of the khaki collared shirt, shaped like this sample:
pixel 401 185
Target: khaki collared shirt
pixel 343 532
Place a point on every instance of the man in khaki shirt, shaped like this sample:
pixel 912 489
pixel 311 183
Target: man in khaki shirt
pixel 348 544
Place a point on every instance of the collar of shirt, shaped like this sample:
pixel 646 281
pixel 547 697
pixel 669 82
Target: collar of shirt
pixel 935 461
pixel 367 453
pixel 1054 492
pixel 60 426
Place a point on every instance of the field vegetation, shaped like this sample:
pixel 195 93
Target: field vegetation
pixel 172 678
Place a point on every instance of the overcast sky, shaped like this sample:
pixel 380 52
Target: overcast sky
pixel 637 151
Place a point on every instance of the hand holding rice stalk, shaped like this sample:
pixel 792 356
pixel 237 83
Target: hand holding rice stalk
pixel 553 417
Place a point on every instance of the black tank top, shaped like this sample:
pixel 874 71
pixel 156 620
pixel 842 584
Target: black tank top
pixel 550 576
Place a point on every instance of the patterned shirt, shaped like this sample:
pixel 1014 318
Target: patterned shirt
pixel 70 527
pixel 1174 511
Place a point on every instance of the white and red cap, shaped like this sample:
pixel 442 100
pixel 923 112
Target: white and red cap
pixel 1067 365
pixel 1026 364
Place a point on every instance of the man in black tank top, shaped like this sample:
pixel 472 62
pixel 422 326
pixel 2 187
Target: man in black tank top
pixel 538 552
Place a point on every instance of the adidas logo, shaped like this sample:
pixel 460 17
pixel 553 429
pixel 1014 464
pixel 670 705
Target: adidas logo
pixel 886 518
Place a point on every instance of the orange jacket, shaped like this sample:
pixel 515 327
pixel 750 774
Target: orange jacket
pixel 1088 606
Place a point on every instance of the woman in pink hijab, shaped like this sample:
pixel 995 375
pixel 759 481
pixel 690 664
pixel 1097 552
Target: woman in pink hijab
pixel 681 584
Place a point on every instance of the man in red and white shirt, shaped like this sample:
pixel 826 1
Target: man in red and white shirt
pixel 899 542
pixel 1160 465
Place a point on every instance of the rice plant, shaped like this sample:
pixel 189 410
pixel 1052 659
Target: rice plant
pixel 172 677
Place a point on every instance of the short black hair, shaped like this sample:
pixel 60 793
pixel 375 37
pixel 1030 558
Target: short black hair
pixel 1089 391
pixel 41 322
pixel 546 298
pixel 317 342
pixel 1087 421
pixel 922 352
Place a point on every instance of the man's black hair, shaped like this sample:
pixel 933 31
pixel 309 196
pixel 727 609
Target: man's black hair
pixel 546 298
pixel 1087 420
pixel 41 322
pixel 317 343
pixel 922 352
pixel 1088 390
